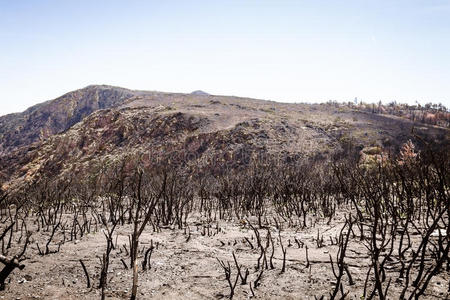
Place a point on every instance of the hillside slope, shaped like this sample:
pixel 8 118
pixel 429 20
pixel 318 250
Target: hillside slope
pixel 52 117
pixel 97 124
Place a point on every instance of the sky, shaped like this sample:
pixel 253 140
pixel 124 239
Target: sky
pixel 291 51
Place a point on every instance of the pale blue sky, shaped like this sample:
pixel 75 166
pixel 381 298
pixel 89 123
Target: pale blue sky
pixel 293 51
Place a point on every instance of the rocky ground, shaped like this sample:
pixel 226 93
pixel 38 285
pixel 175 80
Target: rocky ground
pixel 184 267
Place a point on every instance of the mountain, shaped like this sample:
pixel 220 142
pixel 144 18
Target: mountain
pixel 91 126
pixel 52 117
pixel 199 93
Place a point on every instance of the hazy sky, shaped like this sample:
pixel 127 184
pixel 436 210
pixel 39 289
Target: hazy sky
pixel 280 50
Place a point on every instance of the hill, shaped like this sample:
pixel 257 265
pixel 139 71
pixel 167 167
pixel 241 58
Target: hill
pixel 98 123
pixel 52 117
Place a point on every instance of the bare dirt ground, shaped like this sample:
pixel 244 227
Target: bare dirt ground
pixel 185 266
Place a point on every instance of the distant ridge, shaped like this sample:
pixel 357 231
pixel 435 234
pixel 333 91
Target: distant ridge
pixel 200 93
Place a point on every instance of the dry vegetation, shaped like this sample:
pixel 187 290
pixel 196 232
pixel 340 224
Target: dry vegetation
pixel 117 194
pixel 369 228
pixel 433 114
